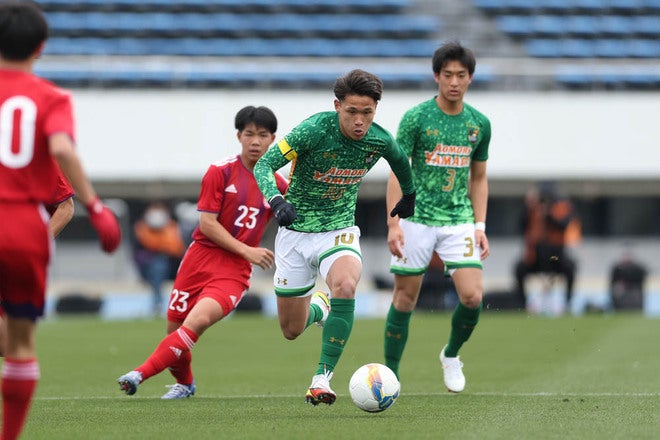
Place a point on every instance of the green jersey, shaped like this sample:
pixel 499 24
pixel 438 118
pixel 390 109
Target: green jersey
pixel 327 170
pixel 441 148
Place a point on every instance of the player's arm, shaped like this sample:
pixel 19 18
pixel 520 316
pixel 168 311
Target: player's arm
pixel 61 216
pixel 395 238
pixel 479 198
pixel 405 206
pixel 102 219
pixel 214 231
pixel 264 172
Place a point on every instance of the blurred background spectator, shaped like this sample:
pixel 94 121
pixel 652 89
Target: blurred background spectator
pixel 627 278
pixel 551 229
pixel 158 249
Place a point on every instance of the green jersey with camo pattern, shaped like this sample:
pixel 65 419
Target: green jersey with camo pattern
pixel 327 170
pixel 441 148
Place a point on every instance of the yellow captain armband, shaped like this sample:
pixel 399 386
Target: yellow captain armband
pixel 286 150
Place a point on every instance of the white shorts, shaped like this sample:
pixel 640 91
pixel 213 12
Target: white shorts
pixel 301 256
pixel 454 245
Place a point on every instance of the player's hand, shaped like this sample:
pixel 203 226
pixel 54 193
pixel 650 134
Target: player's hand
pixel 262 257
pixel 482 241
pixel 395 240
pixel 284 211
pixel 404 207
pixel 106 225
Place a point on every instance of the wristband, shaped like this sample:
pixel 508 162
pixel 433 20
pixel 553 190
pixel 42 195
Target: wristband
pixel 480 226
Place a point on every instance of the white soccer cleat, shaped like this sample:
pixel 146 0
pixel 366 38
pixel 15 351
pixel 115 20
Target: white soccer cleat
pixel 452 370
pixel 321 299
pixel 319 391
pixel 129 382
pixel 180 391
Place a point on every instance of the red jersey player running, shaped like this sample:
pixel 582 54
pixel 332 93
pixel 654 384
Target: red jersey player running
pixel 216 269
pixel 36 135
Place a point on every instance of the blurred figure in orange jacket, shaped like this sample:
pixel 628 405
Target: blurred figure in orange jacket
pixel 159 248
pixel 551 227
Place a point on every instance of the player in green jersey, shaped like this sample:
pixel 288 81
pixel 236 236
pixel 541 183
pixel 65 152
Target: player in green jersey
pixel 447 141
pixel 331 153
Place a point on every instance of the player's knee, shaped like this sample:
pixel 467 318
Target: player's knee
pixel 290 332
pixel 472 300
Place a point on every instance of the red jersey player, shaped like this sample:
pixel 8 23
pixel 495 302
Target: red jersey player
pixel 36 135
pixel 216 269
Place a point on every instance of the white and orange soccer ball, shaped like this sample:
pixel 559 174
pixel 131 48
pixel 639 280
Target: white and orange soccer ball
pixel 374 387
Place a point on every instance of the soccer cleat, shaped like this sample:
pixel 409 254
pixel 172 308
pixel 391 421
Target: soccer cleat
pixel 180 391
pixel 321 299
pixel 452 369
pixel 319 391
pixel 129 382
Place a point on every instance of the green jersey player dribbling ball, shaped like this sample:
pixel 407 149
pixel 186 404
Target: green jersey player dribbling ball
pixel 331 152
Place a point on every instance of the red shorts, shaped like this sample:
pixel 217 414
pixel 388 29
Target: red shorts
pixel 208 272
pixel 25 249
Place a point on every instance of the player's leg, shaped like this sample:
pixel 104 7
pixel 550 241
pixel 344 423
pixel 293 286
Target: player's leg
pixel 408 270
pixel 20 375
pixel 294 279
pixel 342 278
pixel 24 256
pixel 397 323
pixel 463 262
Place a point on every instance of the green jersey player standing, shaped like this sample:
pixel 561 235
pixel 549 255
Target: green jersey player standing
pixel 447 141
pixel 331 153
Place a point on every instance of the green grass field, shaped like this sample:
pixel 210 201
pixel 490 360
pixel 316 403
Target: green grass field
pixel 593 377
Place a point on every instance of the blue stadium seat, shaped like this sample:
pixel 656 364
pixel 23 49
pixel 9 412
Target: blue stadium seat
pixel 543 48
pixel 582 26
pixel 559 7
pixel 611 48
pixel 577 48
pixel 646 25
pixel 624 6
pixel 644 48
pixel 392 6
pixel 241 47
pixel 593 7
pixel 227 24
pixel 548 25
pixel 514 25
pixel 616 25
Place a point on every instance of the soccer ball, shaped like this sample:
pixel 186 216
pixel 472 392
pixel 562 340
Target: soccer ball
pixel 374 387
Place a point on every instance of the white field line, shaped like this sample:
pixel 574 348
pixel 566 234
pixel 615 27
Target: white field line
pixel 440 394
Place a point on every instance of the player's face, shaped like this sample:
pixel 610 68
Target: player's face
pixel 255 141
pixel 453 81
pixel 356 114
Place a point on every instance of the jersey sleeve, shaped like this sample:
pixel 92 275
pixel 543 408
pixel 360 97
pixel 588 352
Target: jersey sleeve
pixel 59 117
pixel 211 191
pixel 406 135
pixel 63 190
pixel 481 154
pixel 400 165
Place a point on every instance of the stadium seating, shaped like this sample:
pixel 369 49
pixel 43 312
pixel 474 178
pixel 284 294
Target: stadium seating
pixel 584 29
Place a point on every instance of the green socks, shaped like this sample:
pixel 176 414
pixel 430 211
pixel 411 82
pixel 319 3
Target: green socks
pixel 463 322
pixel 336 332
pixel 315 315
pixel 396 335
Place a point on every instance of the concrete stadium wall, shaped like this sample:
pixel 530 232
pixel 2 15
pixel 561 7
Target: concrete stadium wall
pixel 174 135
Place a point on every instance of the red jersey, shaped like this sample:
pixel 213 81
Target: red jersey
pixel 230 190
pixel 31 110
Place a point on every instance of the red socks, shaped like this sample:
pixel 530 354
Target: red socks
pixel 173 350
pixel 19 380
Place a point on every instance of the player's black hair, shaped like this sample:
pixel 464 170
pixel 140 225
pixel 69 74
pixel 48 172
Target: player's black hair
pixel 23 27
pixel 358 82
pixel 260 116
pixel 454 51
